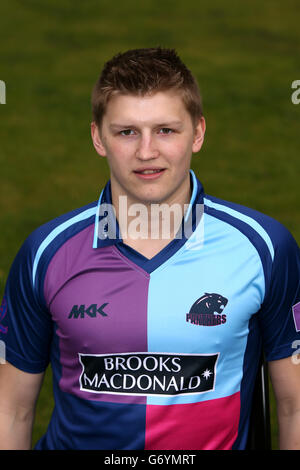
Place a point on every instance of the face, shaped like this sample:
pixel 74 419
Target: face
pixel 148 142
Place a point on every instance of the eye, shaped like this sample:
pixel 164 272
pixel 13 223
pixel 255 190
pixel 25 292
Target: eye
pixel 166 131
pixel 126 132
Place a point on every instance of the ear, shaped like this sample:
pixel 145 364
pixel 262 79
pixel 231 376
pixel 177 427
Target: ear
pixel 199 135
pixel 97 140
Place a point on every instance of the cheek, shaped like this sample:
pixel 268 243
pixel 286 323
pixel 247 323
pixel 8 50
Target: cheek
pixel 117 156
pixel 179 152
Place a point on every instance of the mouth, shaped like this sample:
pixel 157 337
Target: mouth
pixel 149 173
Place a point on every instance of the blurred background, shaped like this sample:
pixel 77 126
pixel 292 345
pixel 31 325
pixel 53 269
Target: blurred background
pixel 245 56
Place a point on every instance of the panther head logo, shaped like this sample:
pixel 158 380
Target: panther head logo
pixel 203 311
pixel 209 303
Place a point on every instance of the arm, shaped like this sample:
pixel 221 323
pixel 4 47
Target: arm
pixel 285 377
pixel 18 395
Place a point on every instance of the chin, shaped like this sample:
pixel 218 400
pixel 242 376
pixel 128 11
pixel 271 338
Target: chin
pixel 152 199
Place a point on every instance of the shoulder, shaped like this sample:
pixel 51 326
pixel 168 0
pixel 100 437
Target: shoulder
pixel 273 235
pixel 43 242
pixel 77 218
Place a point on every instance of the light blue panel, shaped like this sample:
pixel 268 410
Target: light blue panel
pixel 226 264
pixel 244 218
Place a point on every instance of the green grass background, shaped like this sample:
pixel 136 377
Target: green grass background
pixel 245 55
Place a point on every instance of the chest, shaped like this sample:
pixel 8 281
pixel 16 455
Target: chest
pixel 187 305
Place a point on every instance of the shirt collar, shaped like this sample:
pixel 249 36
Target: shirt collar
pixel 107 231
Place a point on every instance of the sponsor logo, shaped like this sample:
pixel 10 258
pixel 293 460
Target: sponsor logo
pixel 79 311
pixel 3 311
pixel 208 310
pixel 162 374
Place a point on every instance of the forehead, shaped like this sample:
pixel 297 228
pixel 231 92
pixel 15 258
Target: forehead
pixel 162 106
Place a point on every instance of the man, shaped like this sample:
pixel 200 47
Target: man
pixel 153 322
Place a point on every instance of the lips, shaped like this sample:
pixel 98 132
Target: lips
pixel 149 173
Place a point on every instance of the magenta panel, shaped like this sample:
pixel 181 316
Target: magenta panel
pixel 207 425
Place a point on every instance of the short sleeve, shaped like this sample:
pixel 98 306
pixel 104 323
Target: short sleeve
pixel 278 317
pixel 25 324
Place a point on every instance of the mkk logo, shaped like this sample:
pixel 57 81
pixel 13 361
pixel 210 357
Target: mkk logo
pixel 79 311
pixel 208 310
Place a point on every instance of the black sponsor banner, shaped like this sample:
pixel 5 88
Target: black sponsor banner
pixel 148 373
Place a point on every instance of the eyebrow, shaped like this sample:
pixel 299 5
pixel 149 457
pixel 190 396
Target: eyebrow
pixel 116 125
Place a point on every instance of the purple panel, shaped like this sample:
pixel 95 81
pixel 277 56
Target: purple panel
pixel 98 299
pixel 296 314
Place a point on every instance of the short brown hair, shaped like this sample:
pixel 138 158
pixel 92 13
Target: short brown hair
pixel 142 72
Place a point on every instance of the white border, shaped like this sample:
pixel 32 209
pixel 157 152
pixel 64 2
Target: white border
pixel 149 354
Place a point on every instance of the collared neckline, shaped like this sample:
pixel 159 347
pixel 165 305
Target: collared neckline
pixel 107 231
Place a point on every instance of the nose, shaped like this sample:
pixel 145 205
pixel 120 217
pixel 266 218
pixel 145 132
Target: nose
pixel 147 148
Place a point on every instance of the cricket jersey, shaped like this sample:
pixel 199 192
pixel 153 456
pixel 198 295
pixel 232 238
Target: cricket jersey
pixel 157 353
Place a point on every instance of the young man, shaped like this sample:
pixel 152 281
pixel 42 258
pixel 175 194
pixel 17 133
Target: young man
pixel 153 323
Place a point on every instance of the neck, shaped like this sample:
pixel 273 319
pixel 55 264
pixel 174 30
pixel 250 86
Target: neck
pixel 150 220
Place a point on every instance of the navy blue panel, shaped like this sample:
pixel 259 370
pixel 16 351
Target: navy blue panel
pixel 27 321
pixel 114 425
pixel 276 316
pixel 250 368
pixel 27 325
